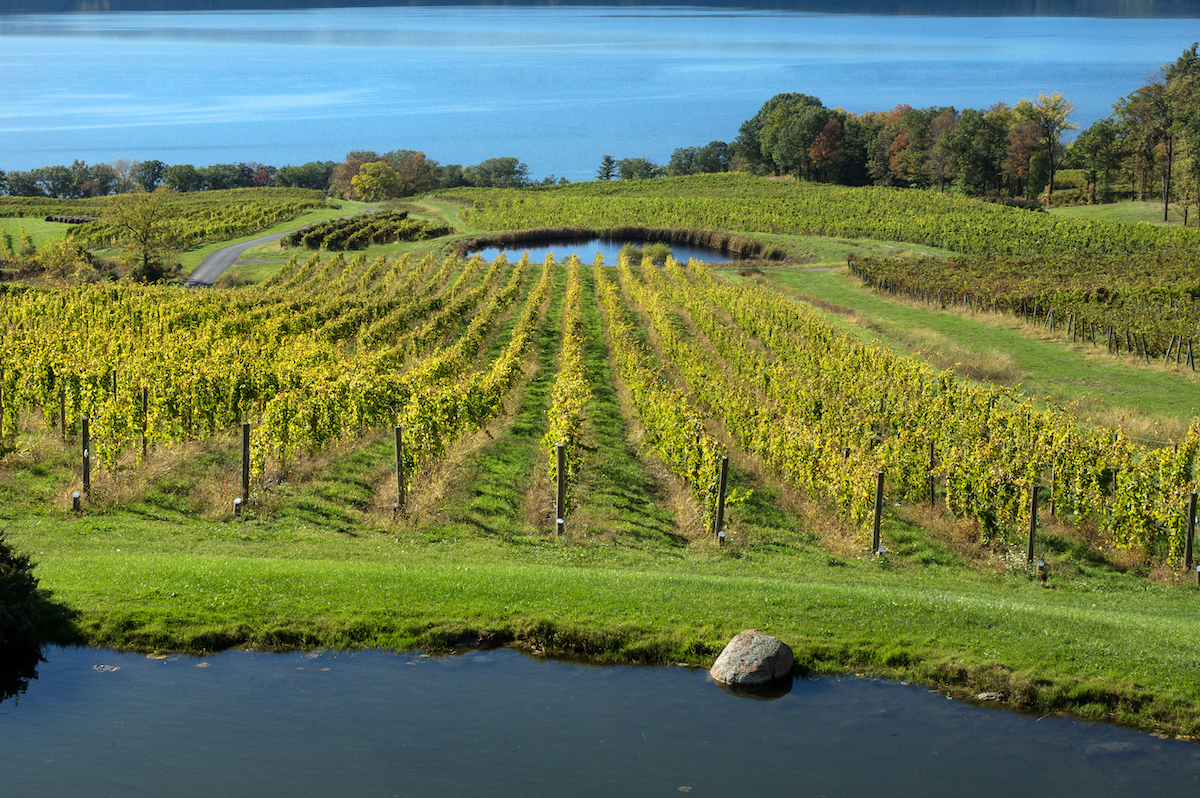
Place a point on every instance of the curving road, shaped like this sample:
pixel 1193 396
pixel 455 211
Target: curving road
pixel 215 264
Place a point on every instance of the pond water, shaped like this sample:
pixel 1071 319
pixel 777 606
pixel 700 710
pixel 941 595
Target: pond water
pixel 586 251
pixel 557 87
pixel 499 723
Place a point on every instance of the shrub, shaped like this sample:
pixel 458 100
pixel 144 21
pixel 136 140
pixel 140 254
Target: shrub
pixel 20 613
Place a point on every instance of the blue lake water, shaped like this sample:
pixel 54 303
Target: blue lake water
pixel 557 87
pixel 587 250
pixel 371 723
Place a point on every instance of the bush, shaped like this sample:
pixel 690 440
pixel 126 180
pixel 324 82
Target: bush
pixel 20 613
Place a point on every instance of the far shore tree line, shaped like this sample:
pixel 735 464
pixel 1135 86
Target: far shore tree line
pixel 1150 143
pixel 1149 146
pixel 392 174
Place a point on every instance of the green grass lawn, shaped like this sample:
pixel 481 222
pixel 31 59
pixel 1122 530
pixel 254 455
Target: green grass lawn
pixel 1148 212
pixel 41 232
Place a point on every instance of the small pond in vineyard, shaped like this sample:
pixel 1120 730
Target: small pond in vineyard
pixel 586 250
pixel 373 723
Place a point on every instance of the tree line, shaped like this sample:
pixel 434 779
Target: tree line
pixel 392 174
pixel 1150 142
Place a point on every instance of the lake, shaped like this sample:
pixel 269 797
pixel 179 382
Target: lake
pixel 557 87
pixel 372 723
pixel 587 250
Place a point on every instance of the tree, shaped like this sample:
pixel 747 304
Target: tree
pixel 826 152
pixel 55 181
pixel 451 176
pixel 314 175
pixel 144 223
pixel 103 180
pixel 66 258
pixel 498 173
pixel 149 174
pixel 1024 139
pixel 608 168
pixel 125 170
pixel 344 172
pixel 375 182
pixel 979 147
pixel 751 151
pixel 23 184
pixel 1050 115
pixel 790 130
pixel 1098 152
pixel 180 177
pixel 417 173
pixel 638 169
pixel 939 155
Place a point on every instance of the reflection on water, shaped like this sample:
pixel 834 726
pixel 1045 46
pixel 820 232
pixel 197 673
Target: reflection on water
pixel 499 723
pixel 586 251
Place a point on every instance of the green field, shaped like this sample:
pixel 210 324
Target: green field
pixel 156 560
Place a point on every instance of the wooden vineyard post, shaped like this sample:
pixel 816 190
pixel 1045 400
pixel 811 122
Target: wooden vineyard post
pixel 1191 532
pixel 87 456
pixel 245 461
pixel 719 518
pixel 560 495
pixel 1033 511
pixel 1052 513
pixel 876 547
pixel 400 487
pixel 932 486
pixel 62 412
pixel 145 413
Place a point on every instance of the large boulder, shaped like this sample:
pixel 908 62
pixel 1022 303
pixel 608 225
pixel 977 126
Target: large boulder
pixel 752 659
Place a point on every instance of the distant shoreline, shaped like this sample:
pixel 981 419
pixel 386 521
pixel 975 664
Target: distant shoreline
pixel 1114 9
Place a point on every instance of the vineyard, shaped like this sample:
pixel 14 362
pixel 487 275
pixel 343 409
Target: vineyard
pixel 751 205
pixel 331 347
pixel 406 415
pixel 360 232
pixel 197 217
pixel 1144 307
pixel 1130 288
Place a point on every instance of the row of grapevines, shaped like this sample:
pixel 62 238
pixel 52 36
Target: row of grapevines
pixel 674 426
pixel 445 408
pixel 1144 306
pixel 830 400
pixel 571 391
pixel 205 367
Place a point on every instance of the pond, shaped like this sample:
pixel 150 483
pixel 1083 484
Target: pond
pixel 501 723
pixel 586 250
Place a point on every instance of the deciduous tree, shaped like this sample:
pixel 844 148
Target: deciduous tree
pixel 144 224
pixel 375 181
pixel 1050 114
